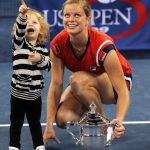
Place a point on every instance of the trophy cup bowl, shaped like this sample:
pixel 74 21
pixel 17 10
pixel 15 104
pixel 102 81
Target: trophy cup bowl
pixel 93 130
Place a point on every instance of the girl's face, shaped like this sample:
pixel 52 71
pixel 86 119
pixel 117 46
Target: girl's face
pixel 75 20
pixel 33 28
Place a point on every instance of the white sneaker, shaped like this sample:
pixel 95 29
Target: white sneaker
pixel 13 148
pixel 41 147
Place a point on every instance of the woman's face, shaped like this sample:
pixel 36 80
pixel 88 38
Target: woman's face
pixel 75 20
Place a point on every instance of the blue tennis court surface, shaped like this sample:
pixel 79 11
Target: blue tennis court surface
pixel 137 132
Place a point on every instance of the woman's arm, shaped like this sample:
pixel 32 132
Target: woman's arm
pixel 53 97
pixel 115 72
pixel 116 75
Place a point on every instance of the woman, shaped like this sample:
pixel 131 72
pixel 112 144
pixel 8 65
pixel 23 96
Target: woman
pixel 100 73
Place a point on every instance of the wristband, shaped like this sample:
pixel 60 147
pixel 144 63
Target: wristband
pixel 42 58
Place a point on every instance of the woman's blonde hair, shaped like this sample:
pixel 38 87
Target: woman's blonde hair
pixel 85 5
pixel 44 34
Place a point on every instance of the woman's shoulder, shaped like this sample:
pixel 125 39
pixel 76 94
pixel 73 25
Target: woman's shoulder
pixel 61 36
pixel 97 33
pixel 99 36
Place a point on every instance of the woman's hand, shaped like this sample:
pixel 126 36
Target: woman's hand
pixel 119 129
pixel 49 133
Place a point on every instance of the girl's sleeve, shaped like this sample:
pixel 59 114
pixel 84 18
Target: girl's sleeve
pixel 19 34
pixel 45 63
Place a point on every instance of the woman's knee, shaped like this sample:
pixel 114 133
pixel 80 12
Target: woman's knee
pixel 60 120
pixel 75 79
pixel 78 82
pixel 65 116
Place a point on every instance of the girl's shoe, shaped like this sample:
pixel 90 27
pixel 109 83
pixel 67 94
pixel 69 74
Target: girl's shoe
pixel 42 147
pixel 13 148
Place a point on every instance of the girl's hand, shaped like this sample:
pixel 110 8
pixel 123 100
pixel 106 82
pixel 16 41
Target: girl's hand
pixel 34 57
pixel 23 8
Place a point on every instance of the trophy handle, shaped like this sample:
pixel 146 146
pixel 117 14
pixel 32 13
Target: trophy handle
pixel 73 123
pixel 109 135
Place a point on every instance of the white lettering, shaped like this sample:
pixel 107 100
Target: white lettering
pixel 95 14
pixel 102 17
pixel 127 18
pixel 105 17
pixel 54 19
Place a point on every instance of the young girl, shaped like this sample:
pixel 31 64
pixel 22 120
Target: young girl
pixel 30 58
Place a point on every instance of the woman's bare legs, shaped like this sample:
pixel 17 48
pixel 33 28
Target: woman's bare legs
pixel 84 89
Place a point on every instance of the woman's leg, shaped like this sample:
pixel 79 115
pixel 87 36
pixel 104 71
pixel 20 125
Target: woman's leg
pixel 69 109
pixel 84 88
pixel 88 87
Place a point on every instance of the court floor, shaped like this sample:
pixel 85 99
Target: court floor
pixel 137 121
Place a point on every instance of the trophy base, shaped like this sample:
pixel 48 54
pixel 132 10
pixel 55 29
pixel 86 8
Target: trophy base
pixel 93 142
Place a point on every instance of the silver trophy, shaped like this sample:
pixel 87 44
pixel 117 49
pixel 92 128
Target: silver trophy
pixel 94 131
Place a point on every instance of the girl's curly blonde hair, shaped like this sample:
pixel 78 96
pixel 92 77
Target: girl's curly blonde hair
pixel 44 34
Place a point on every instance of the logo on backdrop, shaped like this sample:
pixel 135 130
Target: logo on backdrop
pixel 106 1
pixel 102 1
pixel 119 18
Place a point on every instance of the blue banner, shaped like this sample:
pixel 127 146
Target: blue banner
pixel 126 21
